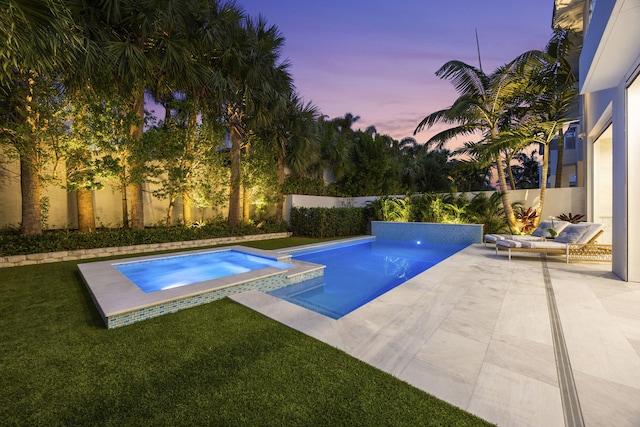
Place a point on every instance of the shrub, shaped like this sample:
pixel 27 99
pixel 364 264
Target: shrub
pixel 328 222
pixel 13 243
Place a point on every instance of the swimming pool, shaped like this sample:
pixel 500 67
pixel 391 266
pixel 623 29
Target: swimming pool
pixel 171 272
pixel 360 272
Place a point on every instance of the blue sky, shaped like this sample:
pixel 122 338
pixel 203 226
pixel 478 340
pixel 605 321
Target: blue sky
pixel 378 61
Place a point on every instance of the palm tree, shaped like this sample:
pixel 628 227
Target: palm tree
pixel 335 149
pixel 559 85
pixel 548 93
pixel 294 134
pixel 484 103
pixel 203 26
pixel 256 82
pixel 38 40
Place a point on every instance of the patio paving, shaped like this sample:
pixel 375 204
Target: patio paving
pixel 476 331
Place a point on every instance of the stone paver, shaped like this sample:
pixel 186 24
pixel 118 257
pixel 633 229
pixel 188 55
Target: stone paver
pixel 475 331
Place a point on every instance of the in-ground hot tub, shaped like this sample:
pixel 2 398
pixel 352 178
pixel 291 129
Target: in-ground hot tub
pixel 126 291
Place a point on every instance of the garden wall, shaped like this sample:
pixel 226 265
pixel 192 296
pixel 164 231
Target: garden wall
pixel 62 210
pixel 557 201
pixel 62 206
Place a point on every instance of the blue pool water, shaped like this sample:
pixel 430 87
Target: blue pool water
pixel 171 272
pixel 358 273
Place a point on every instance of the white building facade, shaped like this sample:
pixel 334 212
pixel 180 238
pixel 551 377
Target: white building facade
pixel 610 90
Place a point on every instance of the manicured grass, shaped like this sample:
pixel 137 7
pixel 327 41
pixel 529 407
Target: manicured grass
pixel 217 364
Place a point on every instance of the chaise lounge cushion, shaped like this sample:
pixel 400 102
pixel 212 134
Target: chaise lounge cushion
pixel 582 232
pixel 530 244
pixel 542 231
pixel 545 226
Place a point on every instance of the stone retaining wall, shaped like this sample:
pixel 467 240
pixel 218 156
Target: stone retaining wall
pixel 44 258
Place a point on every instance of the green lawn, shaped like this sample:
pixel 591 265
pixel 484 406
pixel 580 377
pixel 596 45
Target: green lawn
pixel 217 364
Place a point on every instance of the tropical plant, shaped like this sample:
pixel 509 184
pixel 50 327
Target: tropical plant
pixel 489 212
pixel 573 219
pixel 387 208
pixel 528 218
pixel 483 107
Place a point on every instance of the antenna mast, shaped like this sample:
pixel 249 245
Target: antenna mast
pixel 478 46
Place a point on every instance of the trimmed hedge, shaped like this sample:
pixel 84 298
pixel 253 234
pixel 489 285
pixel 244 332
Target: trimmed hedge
pixel 328 222
pixel 13 243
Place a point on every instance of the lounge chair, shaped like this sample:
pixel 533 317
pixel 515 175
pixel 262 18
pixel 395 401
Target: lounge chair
pixel 539 234
pixel 576 240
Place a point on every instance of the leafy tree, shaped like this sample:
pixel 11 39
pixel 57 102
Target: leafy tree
pixel 526 172
pixel 373 174
pixel 139 42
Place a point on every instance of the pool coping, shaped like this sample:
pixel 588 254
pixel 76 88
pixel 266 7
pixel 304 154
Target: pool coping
pixel 120 302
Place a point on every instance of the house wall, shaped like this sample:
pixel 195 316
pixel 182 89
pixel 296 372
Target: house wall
pixel 609 63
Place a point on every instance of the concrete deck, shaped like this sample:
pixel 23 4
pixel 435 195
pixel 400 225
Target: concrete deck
pixel 527 342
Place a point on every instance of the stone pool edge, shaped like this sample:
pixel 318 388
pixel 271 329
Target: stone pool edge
pixel 121 303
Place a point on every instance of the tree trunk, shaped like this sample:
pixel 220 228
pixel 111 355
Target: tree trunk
pixel 246 192
pixel 86 215
pixel 543 184
pixel 246 209
pixel 135 187
pixel 186 208
pixel 234 189
pixel 506 201
pixel 31 193
pixel 280 203
pixel 187 201
pixel 512 182
pixel 559 171
pixel 125 208
pixel 167 221
pixel 137 213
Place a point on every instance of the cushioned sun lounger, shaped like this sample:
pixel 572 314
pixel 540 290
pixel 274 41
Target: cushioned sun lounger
pixel 574 239
pixel 540 233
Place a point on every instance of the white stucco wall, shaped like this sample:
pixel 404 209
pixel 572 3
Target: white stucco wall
pixel 609 63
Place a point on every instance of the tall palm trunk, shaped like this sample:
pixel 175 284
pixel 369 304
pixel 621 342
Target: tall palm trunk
pixel 558 182
pixel 234 189
pixel 506 200
pixel 30 185
pixel 512 181
pixel 135 187
pixel 31 191
pixel 543 185
pixel 504 192
pixel 86 215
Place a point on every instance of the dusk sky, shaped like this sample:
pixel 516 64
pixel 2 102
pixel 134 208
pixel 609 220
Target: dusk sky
pixel 379 61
